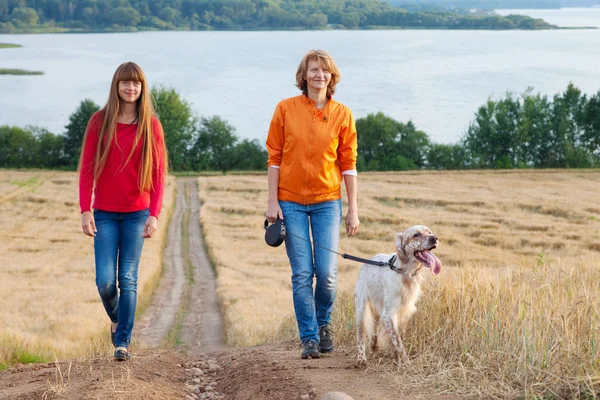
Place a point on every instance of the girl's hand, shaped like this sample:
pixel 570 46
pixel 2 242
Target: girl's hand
pixel 88 224
pixel 151 227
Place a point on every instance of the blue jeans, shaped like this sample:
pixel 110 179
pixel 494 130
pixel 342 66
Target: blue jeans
pixel 118 247
pixel 312 308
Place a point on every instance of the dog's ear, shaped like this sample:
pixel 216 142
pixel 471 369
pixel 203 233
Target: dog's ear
pixel 400 247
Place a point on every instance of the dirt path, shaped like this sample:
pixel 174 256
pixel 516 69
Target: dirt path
pixel 203 325
pixel 154 326
pixel 185 302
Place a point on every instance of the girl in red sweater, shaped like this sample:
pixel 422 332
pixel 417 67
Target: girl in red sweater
pixel 123 166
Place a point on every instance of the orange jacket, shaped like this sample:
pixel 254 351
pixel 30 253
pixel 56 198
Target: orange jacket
pixel 312 148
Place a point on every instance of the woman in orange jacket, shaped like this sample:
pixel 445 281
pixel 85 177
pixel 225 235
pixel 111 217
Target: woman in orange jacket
pixel 312 145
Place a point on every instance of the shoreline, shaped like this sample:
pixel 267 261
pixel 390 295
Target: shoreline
pixel 266 29
pixel 79 31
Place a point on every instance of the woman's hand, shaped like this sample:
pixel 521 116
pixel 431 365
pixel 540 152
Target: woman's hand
pixel 150 227
pixel 273 211
pixel 352 223
pixel 88 224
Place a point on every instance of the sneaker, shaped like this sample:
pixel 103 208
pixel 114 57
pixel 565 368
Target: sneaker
pixel 310 350
pixel 121 354
pixel 325 339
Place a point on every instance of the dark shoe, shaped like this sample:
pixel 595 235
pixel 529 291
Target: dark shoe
pixel 325 339
pixel 121 354
pixel 310 350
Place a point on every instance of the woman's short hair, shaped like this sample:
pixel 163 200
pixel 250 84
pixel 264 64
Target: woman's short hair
pixel 326 61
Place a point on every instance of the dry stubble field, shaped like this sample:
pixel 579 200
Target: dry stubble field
pixel 513 314
pixel 49 303
pixel 515 311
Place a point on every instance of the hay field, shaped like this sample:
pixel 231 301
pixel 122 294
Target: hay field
pixel 49 302
pixel 515 311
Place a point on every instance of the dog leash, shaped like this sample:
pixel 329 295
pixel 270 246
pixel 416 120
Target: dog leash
pixel 388 263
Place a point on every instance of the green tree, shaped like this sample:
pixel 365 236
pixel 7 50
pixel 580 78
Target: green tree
pixel 170 15
pixel 155 22
pixel 25 15
pixel 537 147
pixel 385 144
pixel 492 137
pixel 446 157
pixel 124 16
pixel 215 145
pixel 351 20
pixel 178 124
pixel 7 27
pixel 413 144
pixel 249 155
pixel 376 138
pixel 88 15
pixel 73 137
pixel 50 149
pixel 590 122
pixel 316 19
pixel 18 148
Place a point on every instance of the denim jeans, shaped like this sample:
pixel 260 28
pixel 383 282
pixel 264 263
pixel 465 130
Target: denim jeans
pixel 312 307
pixel 118 247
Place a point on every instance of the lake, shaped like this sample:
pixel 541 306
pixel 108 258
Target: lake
pixel 436 78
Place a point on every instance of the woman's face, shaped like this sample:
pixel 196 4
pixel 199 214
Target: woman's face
pixel 130 91
pixel 317 76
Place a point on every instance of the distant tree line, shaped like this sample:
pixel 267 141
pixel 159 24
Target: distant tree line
pixel 528 131
pixel 126 15
pixel 194 143
pixel 535 131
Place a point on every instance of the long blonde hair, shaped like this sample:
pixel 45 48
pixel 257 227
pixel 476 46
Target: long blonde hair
pixel 129 71
pixel 325 60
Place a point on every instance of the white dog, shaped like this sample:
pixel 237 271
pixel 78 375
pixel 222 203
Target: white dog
pixel 387 295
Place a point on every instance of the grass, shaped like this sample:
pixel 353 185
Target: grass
pixel 31 182
pixel 50 302
pixel 9 46
pixel 16 351
pixel 17 71
pixel 61 381
pixel 514 313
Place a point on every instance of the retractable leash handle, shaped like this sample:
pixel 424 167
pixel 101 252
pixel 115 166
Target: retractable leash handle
pixel 275 233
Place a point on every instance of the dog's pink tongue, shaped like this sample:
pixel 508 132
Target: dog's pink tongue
pixel 434 263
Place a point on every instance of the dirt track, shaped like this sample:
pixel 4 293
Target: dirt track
pixel 193 363
pixel 192 296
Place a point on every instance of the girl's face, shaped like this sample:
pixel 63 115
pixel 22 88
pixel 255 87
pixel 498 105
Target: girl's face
pixel 317 76
pixel 130 91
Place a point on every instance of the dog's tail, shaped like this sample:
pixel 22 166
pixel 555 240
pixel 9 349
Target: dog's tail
pixel 369 323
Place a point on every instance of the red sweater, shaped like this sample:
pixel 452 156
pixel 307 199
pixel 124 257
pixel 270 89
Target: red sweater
pixel 117 189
